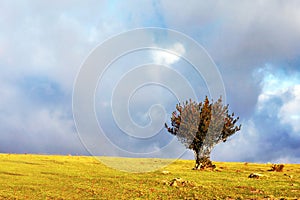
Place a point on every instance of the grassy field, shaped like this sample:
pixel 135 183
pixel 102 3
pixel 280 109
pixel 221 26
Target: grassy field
pixel 78 177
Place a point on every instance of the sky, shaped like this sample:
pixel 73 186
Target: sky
pixel 254 45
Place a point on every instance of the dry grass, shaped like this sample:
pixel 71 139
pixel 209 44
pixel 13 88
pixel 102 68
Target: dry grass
pixel 79 177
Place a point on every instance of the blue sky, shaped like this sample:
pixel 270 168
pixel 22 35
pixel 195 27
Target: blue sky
pixel 255 45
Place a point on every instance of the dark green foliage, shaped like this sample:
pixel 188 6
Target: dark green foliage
pixel 200 126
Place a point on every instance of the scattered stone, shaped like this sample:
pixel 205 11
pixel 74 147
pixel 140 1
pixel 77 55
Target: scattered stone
pixel 290 176
pixel 269 197
pixel 218 170
pixel 277 168
pixel 179 182
pixel 174 183
pixel 165 172
pixel 255 175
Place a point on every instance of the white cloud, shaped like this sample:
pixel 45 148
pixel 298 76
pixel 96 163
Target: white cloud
pixel 275 83
pixel 38 130
pixel 286 89
pixel 290 112
pixel 241 147
pixel 169 56
pixel 272 132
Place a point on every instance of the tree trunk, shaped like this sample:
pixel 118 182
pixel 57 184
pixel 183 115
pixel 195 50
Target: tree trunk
pixel 203 161
pixel 197 159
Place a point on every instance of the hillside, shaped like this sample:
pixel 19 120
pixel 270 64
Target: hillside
pixel 82 177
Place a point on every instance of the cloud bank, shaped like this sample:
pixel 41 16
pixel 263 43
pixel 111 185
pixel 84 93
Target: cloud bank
pixel 255 45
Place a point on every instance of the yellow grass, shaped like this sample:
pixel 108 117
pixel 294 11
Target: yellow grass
pixel 83 177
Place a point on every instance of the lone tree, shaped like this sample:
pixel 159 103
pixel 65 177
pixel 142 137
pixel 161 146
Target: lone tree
pixel 200 126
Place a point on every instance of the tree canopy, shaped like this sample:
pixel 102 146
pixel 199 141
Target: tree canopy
pixel 200 126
